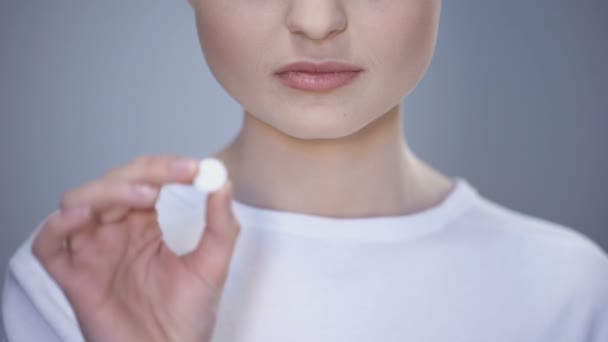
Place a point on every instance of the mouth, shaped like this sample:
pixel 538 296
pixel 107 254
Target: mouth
pixel 318 76
pixel 322 81
pixel 325 67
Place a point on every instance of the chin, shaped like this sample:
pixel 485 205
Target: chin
pixel 311 134
pixel 317 124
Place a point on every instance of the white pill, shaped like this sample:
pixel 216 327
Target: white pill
pixel 211 175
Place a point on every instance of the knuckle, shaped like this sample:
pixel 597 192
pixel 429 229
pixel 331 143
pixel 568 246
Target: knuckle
pixel 70 196
pixel 107 192
pixel 141 220
pixel 112 173
pixel 67 198
pixel 97 187
pixel 115 190
pixel 84 193
pixel 134 220
pixel 112 215
pixel 52 221
pixel 142 160
pixel 114 187
pixel 168 158
pixel 142 227
pixel 40 239
pixel 109 235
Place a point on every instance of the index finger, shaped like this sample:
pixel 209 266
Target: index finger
pixel 48 244
pixel 157 170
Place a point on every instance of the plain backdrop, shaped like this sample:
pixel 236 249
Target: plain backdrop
pixel 515 101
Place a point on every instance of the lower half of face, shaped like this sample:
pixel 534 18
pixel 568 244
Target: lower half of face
pixel 244 43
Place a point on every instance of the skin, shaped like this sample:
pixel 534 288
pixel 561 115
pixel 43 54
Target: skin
pixel 121 279
pixel 342 146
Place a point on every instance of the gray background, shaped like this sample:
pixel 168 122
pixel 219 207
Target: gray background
pixel 515 101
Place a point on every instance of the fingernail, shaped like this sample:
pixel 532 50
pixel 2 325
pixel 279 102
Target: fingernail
pixel 183 167
pixel 145 190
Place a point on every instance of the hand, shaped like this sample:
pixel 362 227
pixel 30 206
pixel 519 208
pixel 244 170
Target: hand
pixel 104 248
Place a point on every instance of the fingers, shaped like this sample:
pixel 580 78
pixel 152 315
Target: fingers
pixel 157 170
pixel 211 259
pixel 49 245
pixel 103 194
pixel 133 186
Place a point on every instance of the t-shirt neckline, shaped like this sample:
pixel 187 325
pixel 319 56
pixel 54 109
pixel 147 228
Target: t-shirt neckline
pixel 388 228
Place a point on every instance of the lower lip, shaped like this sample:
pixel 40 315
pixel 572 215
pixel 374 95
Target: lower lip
pixel 317 81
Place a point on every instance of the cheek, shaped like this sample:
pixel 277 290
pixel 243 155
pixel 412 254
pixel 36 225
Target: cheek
pixel 231 45
pixel 235 41
pixel 408 30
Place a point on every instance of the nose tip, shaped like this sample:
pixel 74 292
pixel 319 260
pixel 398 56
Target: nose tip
pixel 316 19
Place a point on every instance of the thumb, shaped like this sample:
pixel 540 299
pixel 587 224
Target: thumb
pixel 211 258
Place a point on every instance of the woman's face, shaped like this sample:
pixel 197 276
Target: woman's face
pixel 245 41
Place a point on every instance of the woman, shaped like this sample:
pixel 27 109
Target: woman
pixel 331 229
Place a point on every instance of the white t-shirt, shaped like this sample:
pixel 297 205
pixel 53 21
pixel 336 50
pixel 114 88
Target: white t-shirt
pixel 465 270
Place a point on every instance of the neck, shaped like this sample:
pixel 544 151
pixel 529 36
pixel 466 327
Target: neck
pixel 369 173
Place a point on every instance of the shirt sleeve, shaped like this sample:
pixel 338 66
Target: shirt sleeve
pixel 34 306
pixel 598 331
pixel 22 320
pixel 592 295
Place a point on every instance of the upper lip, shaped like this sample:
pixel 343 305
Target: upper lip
pixel 330 66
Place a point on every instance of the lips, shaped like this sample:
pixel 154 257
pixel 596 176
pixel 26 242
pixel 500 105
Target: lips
pixel 318 76
pixel 317 81
pixel 318 67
